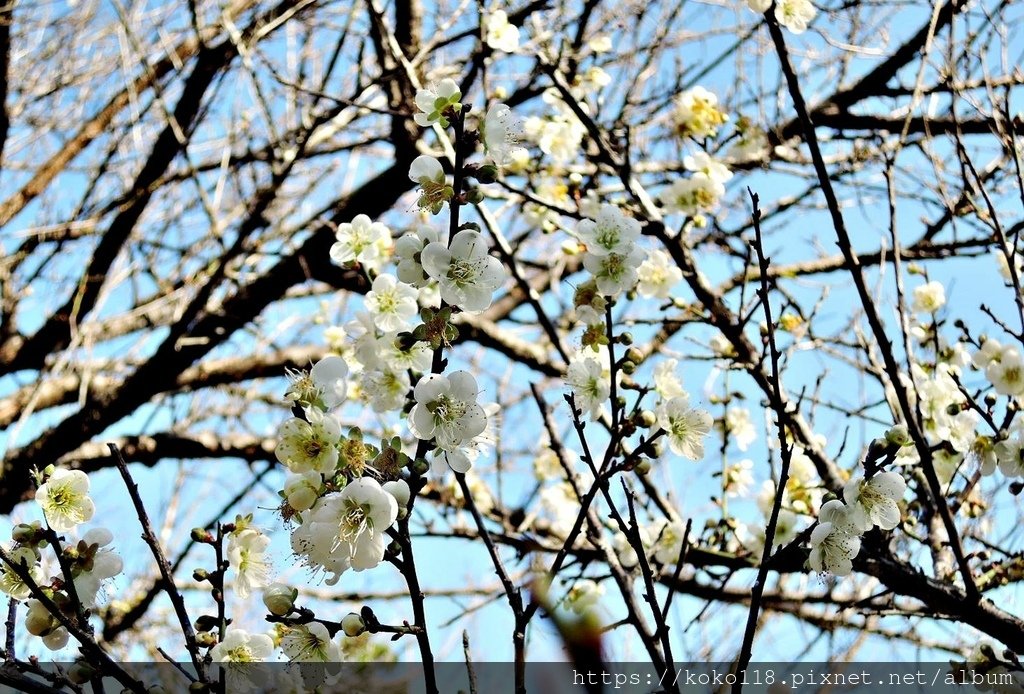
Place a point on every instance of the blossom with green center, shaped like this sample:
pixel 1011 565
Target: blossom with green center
pixel 310 643
pixel 392 304
pixel 591 385
pixel 467 275
pixel 446 410
pixel 612 231
pixel 614 272
pixel 10 582
pixel 303 446
pixel 64 498
pixel 435 103
pixel 247 556
pixel 876 500
pixel 434 189
pixel 832 550
pixel 685 427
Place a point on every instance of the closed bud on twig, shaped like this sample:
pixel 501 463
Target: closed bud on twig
pixel 419 466
pixel 634 355
pixel 352 624
pixel 898 435
pixel 206 622
pixel 201 575
pixel 474 196
pixel 628 367
pixel 646 419
pixel 205 639
pixel 643 467
pixel 202 535
pixel 279 599
pixel 393 549
pixel 626 339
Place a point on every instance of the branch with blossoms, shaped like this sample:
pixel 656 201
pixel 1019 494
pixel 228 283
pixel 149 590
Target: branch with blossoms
pixel 578 231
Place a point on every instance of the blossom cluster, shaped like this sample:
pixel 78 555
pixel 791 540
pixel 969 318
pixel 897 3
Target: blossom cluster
pixel 89 561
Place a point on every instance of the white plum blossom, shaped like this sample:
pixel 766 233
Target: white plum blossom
pixel 558 135
pixel 561 504
pixel 446 409
pixel 657 275
pixel 832 551
pixel 310 643
pixel 794 14
pixel 301 490
pixel 467 275
pixel 668 542
pixel 64 498
pixel 685 426
pixel 752 535
pixel 246 555
pixel 400 490
pixel 614 272
pixel 330 378
pixel 432 103
pixel 624 551
pixel 416 357
pixel 697 114
pixel 740 427
pixel 666 380
pixel 501 35
pixel 10 583
pixel 392 304
pixel 845 518
pixel 929 297
pixel 704 163
pixel 1007 372
pixel 502 134
pixel 408 249
pixel 361 241
pixel 990 351
pixel 434 189
pixel 105 564
pixel 584 595
pixel 385 388
pixel 612 231
pixel 238 653
pixel 738 478
pixel 347 529
pixel 303 446
pixel 694 195
pixel 877 499
pixel 591 385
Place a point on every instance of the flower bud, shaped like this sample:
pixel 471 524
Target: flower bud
pixel 634 355
pixel 626 339
pixel 486 173
pixel 643 467
pixel 628 367
pixel 420 467
pixel 352 624
pixel 23 533
pixel 38 622
pixel 200 575
pixel 647 419
pixel 202 535
pixel 56 639
pixel 279 599
pixel 898 435
pixel 206 639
